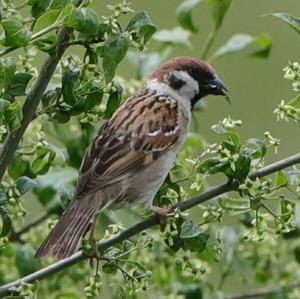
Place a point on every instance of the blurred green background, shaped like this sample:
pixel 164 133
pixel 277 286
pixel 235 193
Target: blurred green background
pixel 256 85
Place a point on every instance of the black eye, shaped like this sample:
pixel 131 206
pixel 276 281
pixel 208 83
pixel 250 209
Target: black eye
pixel 175 82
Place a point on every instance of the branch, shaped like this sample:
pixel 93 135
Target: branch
pixel 260 293
pixel 34 97
pixel 143 225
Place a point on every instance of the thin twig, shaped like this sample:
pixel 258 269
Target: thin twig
pixel 209 42
pixel 7 50
pixel 151 221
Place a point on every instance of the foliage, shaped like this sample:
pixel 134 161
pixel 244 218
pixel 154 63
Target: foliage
pixel 200 250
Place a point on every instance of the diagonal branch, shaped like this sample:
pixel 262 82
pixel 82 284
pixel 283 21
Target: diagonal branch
pixel 151 221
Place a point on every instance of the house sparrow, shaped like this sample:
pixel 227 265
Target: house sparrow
pixel 133 152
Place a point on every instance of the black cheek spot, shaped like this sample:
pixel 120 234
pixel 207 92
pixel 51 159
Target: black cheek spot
pixel 175 82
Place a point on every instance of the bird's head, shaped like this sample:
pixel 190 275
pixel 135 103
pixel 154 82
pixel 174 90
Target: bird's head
pixel 191 78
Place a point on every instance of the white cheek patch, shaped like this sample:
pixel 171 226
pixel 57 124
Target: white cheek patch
pixel 164 89
pixel 191 86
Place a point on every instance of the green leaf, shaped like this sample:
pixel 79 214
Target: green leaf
pixel 287 208
pixel 197 244
pixel 94 98
pixel 7 70
pixel 47 44
pixel 114 51
pixel 92 55
pixel 294 102
pixel 49 98
pixel 84 20
pixel 191 291
pixel 235 139
pixel 241 41
pixel 236 43
pixel 264 42
pixel 18 166
pixel 61 153
pixel 16 34
pixel 13 116
pixel 297 253
pixel 24 184
pixel 212 166
pixel 142 25
pixel 18 84
pixel 176 36
pixel 184 14
pixel 69 81
pixel 66 194
pixel 281 179
pixel 5 223
pixel 48 185
pixel 47 19
pixel 109 268
pixel 255 148
pixel 4 104
pixel 189 230
pixel 114 101
pixel 242 168
pixel 291 20
pixel 61 116
pixel 43 162
pixel 3 197
pixel 39 7
pixel 220 9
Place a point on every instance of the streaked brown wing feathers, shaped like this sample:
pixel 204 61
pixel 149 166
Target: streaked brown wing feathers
pixel 141 129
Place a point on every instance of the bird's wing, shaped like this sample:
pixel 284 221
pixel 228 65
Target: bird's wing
pixel 143 127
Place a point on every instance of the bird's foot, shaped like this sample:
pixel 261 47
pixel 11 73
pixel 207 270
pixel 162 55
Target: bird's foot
pixel 91 249
pixel 94 254
pixel 163 213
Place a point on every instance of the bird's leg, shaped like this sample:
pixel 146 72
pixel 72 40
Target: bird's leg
pixel 92 240
pixel 162 213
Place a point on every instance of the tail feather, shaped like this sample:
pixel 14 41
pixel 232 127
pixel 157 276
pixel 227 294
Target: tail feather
pixel 64 239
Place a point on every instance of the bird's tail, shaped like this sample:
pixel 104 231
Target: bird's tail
pixel 64 238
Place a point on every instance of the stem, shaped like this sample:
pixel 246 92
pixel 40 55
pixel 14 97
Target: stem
pixel 143 225
pixel 209 42
pixel 33 38
pixel 45 30
pixel 269 210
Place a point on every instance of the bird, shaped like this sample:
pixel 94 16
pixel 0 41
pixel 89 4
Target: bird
pixel 133 152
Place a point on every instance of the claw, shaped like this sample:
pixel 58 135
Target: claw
pixel 162 213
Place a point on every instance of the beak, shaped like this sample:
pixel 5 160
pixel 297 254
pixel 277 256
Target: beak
pixel 217 87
